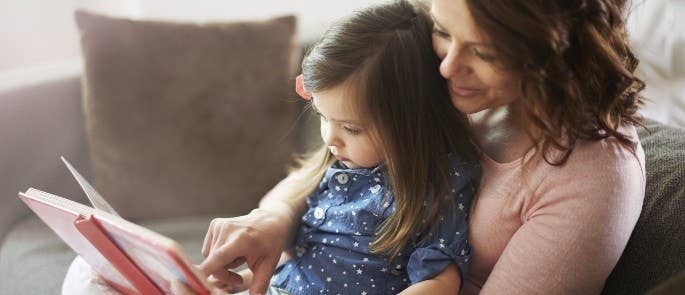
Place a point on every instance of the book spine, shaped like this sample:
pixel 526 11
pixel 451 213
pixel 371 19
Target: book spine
pixel 92 231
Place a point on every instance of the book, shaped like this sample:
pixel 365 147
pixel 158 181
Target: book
pixel 131 258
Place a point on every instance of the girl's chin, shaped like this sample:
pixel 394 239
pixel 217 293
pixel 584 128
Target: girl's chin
pixel 352 165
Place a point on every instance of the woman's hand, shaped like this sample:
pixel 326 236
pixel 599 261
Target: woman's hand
pixel 179 288
pixel 219 288
pixel 257 239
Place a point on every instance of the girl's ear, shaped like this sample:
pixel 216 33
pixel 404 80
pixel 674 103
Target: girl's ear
pixel 299 88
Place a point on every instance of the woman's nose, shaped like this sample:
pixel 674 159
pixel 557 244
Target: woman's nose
pixel 454 64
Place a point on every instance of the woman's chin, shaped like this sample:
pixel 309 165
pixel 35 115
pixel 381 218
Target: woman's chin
pixel 467 106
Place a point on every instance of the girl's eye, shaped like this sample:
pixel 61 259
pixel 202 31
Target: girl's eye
pixel 440 33
pixel 483 56
pixel 351 130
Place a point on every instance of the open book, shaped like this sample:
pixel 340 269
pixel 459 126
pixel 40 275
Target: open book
pixel 131 258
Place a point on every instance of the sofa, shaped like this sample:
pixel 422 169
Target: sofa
pixel 174 135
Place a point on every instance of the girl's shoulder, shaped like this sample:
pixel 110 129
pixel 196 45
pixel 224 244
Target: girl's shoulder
pixel 460 165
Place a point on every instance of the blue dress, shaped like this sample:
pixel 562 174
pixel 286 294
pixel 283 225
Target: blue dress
pixel 332 254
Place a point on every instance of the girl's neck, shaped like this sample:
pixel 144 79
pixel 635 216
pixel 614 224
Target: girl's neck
pixel 500 132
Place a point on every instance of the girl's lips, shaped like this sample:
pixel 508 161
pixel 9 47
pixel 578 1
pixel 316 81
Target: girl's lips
pixel 464 92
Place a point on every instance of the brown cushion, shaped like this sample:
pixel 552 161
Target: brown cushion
pixel 186 118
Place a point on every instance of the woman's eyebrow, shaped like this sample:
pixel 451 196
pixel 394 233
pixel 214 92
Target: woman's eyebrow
pixel 469 43
pixel 435 21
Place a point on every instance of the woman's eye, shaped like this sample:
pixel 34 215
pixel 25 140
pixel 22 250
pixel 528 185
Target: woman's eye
pixel 483 56
pixel 440 33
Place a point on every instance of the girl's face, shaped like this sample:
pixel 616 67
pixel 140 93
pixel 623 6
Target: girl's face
pixel 475 83
pixel 346 135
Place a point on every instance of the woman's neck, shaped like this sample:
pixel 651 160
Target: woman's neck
pixel 500 132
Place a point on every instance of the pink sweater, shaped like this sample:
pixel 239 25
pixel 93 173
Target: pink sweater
pixel 558 230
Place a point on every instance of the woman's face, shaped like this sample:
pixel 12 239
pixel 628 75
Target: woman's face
pixel 468 60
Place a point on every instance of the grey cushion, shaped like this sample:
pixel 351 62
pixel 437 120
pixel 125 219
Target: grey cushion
pixel 34 260
pixel 38 123
pixel 656 249
pixel 185 118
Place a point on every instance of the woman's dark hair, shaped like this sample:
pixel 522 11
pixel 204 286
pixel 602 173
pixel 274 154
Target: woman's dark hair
pixel 576 67
pixel 384 53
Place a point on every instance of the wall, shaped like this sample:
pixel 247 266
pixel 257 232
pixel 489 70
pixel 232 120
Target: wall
pixel 39 39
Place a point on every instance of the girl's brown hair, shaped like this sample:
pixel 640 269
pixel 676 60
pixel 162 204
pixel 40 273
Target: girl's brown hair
pixel 385 52
pixel 576 67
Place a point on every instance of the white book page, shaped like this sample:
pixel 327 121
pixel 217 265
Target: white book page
pixel 95 198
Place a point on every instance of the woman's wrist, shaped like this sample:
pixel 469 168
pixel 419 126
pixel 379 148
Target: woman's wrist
pixel 278 208
pixel 282 219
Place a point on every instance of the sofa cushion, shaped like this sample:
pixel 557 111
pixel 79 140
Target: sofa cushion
pixel 656 250
pixel 186 118
pixel 40 121
pixel 33 259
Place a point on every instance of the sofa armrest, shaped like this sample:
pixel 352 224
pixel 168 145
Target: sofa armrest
pixel 40 119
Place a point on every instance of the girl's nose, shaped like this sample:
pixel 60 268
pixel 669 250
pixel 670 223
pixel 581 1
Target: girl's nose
pixel 331 138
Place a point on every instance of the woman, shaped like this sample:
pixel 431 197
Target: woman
pixel 552 96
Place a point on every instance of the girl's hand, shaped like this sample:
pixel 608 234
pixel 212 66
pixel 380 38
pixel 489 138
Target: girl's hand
pixel 257 239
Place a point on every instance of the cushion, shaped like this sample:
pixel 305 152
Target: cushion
pixel 34 260
pixel 656 250
pixel 186 118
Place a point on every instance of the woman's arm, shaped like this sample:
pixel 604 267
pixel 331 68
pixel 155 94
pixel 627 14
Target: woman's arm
pixel 574 227
pixel 258 238
pixel 279 199
pixel 447 282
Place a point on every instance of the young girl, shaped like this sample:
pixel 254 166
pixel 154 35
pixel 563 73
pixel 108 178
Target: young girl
pixel 394 179
pixel 390 188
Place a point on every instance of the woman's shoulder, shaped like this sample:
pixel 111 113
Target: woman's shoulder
pixel 603 167
pixel 608 154
pixel 598 177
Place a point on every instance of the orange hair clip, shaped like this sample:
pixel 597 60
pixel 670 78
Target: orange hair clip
pixel 299 88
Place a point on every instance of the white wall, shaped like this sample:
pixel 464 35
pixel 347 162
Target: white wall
pixel 39 40
pixel 657 31
pixel 39 32
pixel 35 31
pixel 314 16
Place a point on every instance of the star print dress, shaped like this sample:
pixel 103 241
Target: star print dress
pixel 332 254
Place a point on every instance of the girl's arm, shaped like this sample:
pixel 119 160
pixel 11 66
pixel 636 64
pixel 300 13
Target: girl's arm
pixel 447 282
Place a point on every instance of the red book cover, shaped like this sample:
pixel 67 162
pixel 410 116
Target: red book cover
pixel 129 257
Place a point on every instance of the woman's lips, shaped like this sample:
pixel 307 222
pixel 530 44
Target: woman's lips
pixel 464 91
